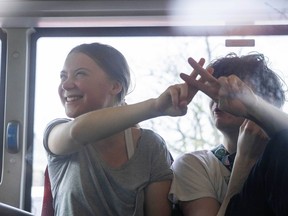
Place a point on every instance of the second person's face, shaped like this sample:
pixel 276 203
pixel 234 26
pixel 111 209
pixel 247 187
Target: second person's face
pixel 84 86
pixel 225 121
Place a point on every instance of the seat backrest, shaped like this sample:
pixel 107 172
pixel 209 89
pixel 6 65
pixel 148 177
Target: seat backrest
pixel 47 205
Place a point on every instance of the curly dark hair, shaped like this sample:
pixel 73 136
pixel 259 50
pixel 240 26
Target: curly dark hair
pixel 252 69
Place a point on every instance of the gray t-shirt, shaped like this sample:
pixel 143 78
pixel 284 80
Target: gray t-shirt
pixel 82 184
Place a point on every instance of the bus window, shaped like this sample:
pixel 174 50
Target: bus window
pixel 154 60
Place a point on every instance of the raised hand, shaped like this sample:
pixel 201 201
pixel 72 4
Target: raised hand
pixel 206 83
pixel 231 94
pixel 192 91
pixel 235 96
pixel 252 141
pixel 174 100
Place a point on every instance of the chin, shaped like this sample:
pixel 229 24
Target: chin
pixel 71 114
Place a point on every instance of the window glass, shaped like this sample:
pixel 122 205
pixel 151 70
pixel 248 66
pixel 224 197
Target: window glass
pixel 155 64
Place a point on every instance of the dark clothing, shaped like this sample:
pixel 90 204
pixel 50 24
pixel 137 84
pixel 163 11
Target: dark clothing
pixel 265 191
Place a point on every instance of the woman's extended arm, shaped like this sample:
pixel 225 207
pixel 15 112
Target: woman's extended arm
pixel 99 124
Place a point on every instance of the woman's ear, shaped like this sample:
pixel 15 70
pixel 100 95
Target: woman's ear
pixel 116 88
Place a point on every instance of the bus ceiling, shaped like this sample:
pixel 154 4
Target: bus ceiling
pixel 106 13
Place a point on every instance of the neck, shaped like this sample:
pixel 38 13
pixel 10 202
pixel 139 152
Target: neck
pixel 230 141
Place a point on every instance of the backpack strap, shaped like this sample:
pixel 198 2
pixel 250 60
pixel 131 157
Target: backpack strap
pixel 129 142
pixel 47 202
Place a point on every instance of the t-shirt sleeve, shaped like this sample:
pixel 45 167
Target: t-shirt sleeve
pixel 161 160
pixel 49 128
pixel 191 179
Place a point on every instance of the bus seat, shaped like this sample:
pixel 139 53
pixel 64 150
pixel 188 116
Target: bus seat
pixel 47 204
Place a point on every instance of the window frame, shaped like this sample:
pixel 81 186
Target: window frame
pixel 3 38
pixel 245 30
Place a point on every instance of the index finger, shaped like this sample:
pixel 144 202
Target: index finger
pixel 201 71
pixel 207 83
pixel 200 63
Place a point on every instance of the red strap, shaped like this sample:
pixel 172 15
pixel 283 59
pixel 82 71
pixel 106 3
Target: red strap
pixel 47 205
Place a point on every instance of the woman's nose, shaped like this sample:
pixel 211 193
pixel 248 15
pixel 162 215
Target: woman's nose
pixel 68 84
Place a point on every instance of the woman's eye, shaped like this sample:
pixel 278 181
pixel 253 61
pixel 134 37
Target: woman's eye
pixel 63 77
pixel 80 73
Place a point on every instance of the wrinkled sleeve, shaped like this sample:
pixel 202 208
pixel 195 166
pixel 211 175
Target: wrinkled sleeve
pixel 49 128
pixel 161 161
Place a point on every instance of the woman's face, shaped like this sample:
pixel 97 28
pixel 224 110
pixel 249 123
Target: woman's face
pixel 224 121
pixel 85 86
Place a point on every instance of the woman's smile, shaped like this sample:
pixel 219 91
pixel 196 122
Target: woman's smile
pixel 73 98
